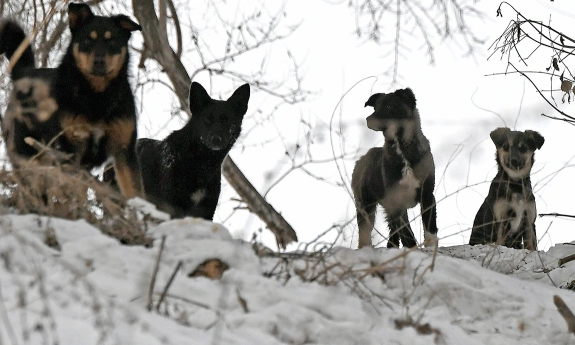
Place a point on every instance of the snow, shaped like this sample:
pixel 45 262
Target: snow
pixel 94 290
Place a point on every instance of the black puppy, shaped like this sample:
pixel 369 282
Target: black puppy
pixel 85 106
pixel 182 173
pixel 398 175
pixel 507 216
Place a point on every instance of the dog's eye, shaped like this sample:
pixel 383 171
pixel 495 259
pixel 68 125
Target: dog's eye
pixel 522 148
pixel 505 147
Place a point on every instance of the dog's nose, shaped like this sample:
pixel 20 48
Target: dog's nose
pixel 217 141
pixel 514 162
pixel 99 65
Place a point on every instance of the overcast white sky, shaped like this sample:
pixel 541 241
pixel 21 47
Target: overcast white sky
pixel 458 104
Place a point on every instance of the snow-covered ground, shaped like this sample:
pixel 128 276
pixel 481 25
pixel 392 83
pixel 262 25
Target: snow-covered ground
pixel 90 289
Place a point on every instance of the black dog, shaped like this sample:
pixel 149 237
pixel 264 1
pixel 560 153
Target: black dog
pixel 85 106
pixel 507 216
pixel 398 175
pixel 182 173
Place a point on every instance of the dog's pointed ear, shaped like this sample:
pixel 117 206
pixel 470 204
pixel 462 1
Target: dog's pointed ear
pixel 499 135
pixel 372 99
pixel 199 98
pixel 537 138
pixel 239 99
pixel 126 23
pixel 408 96
pixel 78 15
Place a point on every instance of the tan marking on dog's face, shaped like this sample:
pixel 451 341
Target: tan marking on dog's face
pixel 515 150
pixel 107 35
pixel 516 174
pixel 93 35
pixel 115 63
pixel 85 63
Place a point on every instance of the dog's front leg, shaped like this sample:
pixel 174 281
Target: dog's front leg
pixel 365 222
pixel 128 176
pixel 530 236
pixel 122 146
pixel 429 213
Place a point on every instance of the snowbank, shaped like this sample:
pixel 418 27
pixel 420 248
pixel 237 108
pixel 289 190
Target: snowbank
pixel 92 290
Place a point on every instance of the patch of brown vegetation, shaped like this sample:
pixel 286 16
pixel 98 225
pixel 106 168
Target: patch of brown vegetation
pixel 70 193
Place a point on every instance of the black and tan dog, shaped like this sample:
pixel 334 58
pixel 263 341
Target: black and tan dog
pixel 507 216
pixel 398 175
pixel 85 106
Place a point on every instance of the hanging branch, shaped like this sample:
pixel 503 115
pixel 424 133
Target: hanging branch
pixel 525 39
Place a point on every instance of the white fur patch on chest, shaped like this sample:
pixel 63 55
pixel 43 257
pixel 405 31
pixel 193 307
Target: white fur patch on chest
pixel 408 179
pixel 403 195
pixel 521 207
pixel 198 196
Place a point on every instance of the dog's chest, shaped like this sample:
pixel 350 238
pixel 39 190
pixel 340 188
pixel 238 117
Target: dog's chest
pixel 402 193
pixel 515 209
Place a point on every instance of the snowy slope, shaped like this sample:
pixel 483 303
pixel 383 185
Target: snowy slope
pixel 92 290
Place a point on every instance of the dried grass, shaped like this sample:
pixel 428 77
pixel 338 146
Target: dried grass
pixel 71 193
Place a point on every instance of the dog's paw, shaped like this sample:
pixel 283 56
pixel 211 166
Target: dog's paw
pixel 430 240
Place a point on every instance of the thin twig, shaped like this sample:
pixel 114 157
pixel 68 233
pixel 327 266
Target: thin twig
pixel 155 274
pixel 163 295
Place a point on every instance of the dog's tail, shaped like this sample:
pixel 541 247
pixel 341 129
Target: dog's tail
pixel 11 37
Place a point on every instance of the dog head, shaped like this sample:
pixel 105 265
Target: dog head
pixel 217 124
pixel 99 44
pixel 515 150
pixel 395 114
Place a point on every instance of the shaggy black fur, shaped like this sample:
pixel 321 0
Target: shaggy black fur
pixel 182 173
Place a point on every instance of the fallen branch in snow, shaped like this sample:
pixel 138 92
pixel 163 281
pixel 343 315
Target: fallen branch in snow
pixel 284 233
pixel 150 304
pixel 565 312
pixel 168 284
pixel 566 259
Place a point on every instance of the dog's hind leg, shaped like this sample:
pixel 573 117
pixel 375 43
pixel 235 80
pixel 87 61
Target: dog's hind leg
pixel 365 222
pixel 399 228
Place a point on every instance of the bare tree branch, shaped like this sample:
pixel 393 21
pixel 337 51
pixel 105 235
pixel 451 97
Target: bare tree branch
pixel 257 204
pixel 434 20
pixel 526 39
pixel 157 46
